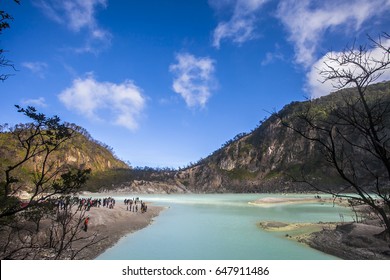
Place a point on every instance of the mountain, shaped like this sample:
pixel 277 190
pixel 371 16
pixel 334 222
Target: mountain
pixel 81 152
pixel 85 152
pixel 272 156
pixel 268 159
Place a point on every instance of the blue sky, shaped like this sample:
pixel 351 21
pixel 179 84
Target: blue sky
pixel 165 83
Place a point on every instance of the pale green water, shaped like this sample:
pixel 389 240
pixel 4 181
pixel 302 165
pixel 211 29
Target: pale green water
pixel 220 226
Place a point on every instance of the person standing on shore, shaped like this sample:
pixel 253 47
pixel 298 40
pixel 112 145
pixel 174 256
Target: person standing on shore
pixel 86 224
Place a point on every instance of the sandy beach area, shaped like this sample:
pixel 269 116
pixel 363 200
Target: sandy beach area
pixel 113 224
pixel 295 229
pixel 272 201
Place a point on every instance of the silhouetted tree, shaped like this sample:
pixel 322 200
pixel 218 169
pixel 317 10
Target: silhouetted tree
pixel 353 133
pixel 5 18
pixel 36 144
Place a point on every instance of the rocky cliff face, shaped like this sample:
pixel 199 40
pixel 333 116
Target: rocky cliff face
pixel 270 158
pixel 83 153
pixel 259 161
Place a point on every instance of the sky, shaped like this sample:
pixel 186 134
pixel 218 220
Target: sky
pixel 167 82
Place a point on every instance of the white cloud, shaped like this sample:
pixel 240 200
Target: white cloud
pixel 120 104
pixel 307 21
pixel 193 78
pixel 241 26
pixel 316 88
pixel 78 15
pixel 38 102
pixel 36 67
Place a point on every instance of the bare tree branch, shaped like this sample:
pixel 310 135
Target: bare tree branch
pixel 354 133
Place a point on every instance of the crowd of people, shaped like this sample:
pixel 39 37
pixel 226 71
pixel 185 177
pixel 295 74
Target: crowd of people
pixel 109 202
pixel 132 205
pixel 87 203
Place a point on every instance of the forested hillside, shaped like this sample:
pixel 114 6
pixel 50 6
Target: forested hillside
pixel 273 156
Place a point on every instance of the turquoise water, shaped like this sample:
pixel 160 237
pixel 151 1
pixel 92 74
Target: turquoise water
pixel 218 227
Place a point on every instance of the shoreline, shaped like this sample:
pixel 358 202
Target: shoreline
pixel 345 240
pixel 348 241
pixel 114 224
